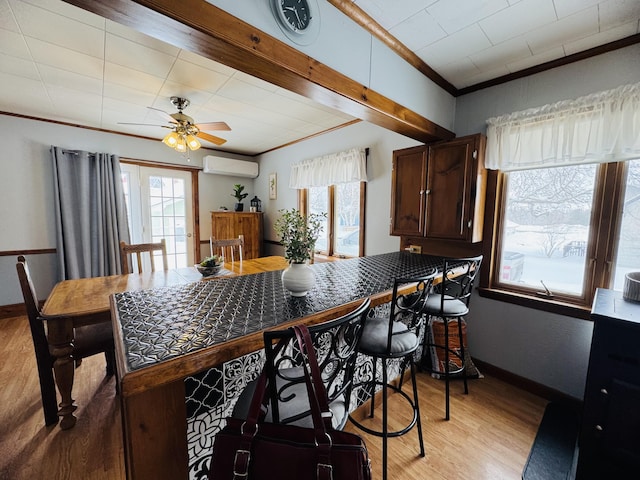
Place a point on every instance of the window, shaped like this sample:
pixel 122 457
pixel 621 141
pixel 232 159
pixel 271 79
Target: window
pixel 343 235
pixel 567 199
pixel 565 231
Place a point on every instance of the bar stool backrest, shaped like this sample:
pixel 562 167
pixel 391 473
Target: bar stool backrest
pixel 458 277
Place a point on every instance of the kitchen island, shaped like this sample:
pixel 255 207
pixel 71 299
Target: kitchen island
pixel 168 340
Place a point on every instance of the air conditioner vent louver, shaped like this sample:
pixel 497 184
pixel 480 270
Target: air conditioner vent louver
pixel 230 166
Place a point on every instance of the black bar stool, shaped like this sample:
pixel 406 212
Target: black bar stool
pixel 396 337
pixel 451 303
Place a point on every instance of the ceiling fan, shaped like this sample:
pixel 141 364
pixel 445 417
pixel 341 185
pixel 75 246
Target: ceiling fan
pixel 183 129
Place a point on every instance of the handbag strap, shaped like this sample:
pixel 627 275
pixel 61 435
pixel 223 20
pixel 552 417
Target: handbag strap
pixel 318 403
pixel 319 390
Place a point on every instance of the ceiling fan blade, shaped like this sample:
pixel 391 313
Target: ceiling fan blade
pixel 210 126
pixel 146 124
pixel 210 138
pixel 163 114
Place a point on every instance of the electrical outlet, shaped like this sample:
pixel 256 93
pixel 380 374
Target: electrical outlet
pixel 415 248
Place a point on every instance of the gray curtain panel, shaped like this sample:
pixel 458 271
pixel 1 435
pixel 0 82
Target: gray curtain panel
pixel 91 217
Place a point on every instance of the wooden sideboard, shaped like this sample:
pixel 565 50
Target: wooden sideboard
pixel 226 224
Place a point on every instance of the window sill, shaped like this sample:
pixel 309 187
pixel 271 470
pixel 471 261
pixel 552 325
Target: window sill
pixel 546 305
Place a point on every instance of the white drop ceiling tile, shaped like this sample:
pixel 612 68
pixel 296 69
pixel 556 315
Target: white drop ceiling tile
pixel 18 66
pixel 68 10
pixel 617 12
pixel 56 77
pixel 33 95
pixel 118 74
pixel 138 57
pixel 485 75
pixel 459 69
pixel 418 30
pixel 461 44
pixel 517 19
pixel 576 26
pixel 117 110
pixel 130 34
pixel 7 19
pixel 60 57
pixel 195 76
pixel 172 89
pixel 86 107
pixel 59 30
pixel 606 36
pixel 241 91
pixel 257 82
pixel 390 13
pixel 564 8
pixel 454 16
pixel 132 96
pixel 501 54
pixel 12 43
pixel 205 62
pixel 537 59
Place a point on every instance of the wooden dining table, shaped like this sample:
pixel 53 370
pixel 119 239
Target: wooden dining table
pixel 78 302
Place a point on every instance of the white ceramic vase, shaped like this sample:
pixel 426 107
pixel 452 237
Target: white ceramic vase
pixel 298 278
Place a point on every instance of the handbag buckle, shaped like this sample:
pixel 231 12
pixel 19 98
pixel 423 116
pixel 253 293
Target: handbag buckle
pixel 324 471
pixel 241 462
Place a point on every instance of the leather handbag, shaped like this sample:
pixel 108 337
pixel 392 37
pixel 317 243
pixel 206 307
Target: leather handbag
pixel 254 449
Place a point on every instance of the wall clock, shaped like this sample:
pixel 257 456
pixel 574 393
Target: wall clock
pixel 299 20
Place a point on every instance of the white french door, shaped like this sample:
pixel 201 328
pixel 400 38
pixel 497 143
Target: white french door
pixel 159 204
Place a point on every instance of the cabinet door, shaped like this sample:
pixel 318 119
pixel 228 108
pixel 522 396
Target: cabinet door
pixel 231 224
pixel 408 181
pixel 451 190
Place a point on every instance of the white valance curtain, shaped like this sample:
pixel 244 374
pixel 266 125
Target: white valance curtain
pixel 597 128
pixel 342 167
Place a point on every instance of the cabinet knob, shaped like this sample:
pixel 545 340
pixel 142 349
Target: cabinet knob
pixel 604 391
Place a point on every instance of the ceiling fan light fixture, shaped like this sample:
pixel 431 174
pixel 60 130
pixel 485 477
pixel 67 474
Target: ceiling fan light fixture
pixel 181 145
pixel 193 142
pixel 171 139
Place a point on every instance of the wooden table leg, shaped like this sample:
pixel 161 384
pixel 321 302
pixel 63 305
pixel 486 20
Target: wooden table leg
pixel 60 337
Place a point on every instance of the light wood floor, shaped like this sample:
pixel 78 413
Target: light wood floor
pixel 488 437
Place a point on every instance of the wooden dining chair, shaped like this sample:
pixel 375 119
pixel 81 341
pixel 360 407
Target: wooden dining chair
pixel 127 249
pixel 228 249
pixel 88 340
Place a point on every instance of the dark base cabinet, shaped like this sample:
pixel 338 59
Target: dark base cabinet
pixel 609 444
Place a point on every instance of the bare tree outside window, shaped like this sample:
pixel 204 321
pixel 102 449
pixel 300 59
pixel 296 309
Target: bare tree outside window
pixel 546 227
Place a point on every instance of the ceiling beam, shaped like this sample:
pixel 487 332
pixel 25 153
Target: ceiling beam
pixel 209 31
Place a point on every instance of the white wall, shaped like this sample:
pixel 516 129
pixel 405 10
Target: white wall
pixel 549 349
pixel 369 61
pixel 27 211
pixel 381 144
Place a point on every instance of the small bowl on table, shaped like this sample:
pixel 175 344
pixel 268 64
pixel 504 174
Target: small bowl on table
pixel 210 268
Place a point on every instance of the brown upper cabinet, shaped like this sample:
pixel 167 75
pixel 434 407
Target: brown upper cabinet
pixel 438 190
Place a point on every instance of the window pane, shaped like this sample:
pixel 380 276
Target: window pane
pixel 546 228
pixel 319 203
pixel 628 253
pixel 347 221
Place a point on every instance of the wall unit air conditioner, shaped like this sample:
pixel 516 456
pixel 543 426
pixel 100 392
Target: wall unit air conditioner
pixel 230 166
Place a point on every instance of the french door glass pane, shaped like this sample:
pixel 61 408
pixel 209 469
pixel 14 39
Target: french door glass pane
pixel 546 228
pixel 319 203
pixel 168 221
pixel 347 221
pixel 628 251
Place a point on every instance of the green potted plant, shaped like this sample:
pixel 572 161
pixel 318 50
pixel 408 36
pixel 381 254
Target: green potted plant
pixel 298 235
pixel 238 193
